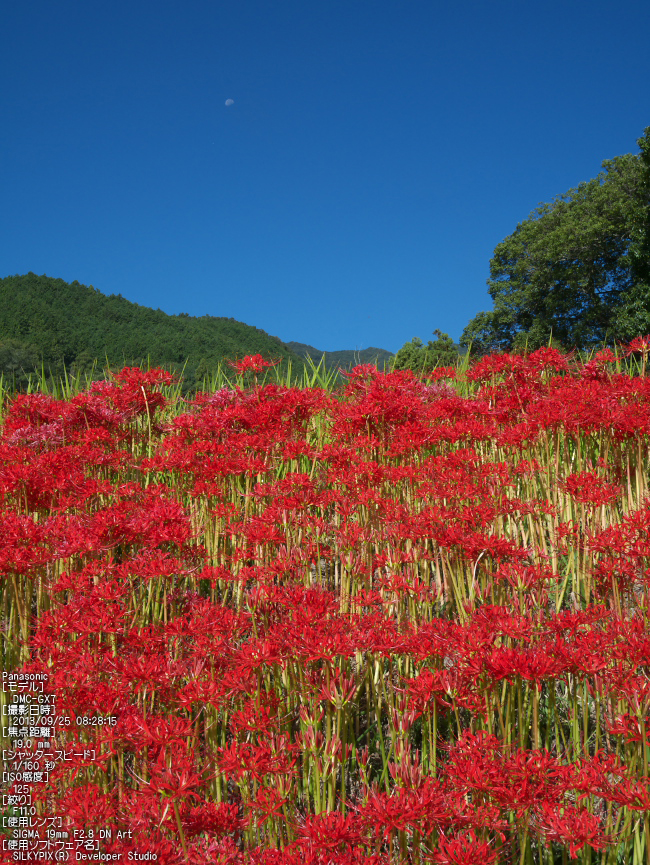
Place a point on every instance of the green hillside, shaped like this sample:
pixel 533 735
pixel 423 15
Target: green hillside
pixel 68 326
pixel 344 359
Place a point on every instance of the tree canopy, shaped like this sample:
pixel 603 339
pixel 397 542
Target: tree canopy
pixel 576 270
pixel 633 318
pixel 416 356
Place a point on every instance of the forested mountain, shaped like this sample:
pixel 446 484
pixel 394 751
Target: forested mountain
pixel 345 359
pixel 68 326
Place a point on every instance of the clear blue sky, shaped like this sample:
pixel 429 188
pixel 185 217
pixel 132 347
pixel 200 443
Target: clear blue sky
pixel 353 193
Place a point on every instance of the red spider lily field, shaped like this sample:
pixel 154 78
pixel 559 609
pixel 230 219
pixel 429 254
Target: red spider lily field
pixel 398 620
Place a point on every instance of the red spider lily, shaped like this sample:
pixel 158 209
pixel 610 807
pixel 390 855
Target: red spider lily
pixel 256 717
pixel 606 355
pixel 175 784
pixel 641 344
pixel 224 851
pixel 494 365
pixel 154 730
pixel 569 825
pixel 532 777
pixel 591 489
pixel 23 543
pixel 631 793
pixel 329 832
pixel 269 803
pixel 406 770
pixel 524 577
pixel 88 807
pixel 134 377
pixel 254 362
pixel 424 808
pixel 604 775
pixel 291 579
pixel 533 665
pixel 216 819
pixel 257 760
pixel 442 372
pixel 462 849
pixel 631 728
pixel 596 368
pixel 548 358
pixel 339 690
pixel 361 372
pixel 475 762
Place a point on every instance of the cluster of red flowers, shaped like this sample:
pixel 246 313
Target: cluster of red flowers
pixel 401 622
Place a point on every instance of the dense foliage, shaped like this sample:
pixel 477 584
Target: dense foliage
pixel 577 270
pixel 634 318
pixel 69 327
pixel 420 358
pixel 405 621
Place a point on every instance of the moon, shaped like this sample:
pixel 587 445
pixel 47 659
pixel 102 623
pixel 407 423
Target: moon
pixel 230 102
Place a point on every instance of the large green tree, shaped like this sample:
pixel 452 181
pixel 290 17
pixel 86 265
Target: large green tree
pixel 416 356
pixel 632 317
pixel 574 271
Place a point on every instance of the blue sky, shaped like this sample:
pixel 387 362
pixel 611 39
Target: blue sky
pixel 351 196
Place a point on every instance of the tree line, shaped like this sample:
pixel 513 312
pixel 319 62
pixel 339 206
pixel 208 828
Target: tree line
pixel 57 328
pixel 574 274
